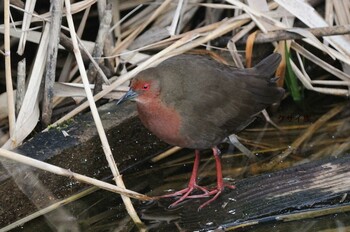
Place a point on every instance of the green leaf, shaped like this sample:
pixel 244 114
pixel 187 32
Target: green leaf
pixel 292 83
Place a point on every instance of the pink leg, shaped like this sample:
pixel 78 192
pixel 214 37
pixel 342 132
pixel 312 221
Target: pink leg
pixel 192 185
pixel 220 182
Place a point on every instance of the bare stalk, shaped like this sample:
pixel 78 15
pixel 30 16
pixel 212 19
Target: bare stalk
pixel 55 27
pixel 9 87
pixel 106 148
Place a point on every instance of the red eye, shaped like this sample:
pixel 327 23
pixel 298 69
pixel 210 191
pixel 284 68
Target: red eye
pixel 146 86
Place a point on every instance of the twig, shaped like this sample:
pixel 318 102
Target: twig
pixel 27 19
pixel 68 173
pixel 67 44
pixel 99 126
pixel 9 86
pixel 55 26
pixel 241 33
pixel 93 62
pixel 67 65
pixel 101 7
pixel 234 54
pixel 176 18
pixel 98 49
pixel 223 28
pixel 315 59
pixel 119 22
pixel 165 154
pixel 286 35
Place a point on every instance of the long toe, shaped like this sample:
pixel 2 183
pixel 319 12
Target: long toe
pixel 230 186
pixel 185 196
pixel 217 194
pixel 176 194
pixel 187 193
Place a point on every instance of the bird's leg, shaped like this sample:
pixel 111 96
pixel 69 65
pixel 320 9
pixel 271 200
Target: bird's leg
pixel 220 182
pixel 192 185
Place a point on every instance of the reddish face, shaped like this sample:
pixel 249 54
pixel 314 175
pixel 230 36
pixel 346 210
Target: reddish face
pixel 142 91
pixel 146 90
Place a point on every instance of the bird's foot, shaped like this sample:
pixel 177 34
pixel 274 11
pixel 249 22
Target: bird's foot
pixel 187 194
pixel 215 193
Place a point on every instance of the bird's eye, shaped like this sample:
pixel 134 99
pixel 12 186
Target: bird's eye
pixel 146 86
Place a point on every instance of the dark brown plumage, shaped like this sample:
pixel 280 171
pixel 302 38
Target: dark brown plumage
pixel 195 102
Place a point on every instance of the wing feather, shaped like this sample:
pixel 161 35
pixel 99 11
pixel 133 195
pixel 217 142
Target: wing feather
pixel 216 100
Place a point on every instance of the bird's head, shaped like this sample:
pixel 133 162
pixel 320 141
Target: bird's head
pixel 144 87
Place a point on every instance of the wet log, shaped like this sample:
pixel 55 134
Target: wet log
pixel 302 192
pixel 74 145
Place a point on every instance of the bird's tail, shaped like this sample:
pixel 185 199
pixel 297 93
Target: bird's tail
pixel 268 66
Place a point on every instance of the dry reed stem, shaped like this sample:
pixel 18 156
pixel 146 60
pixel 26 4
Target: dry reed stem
pixel 68 173
pixel 27 19
pixel 67 65
pixel 93 63
pixel 234 54
pixel 136 21
pixel 166 154
pixel 243 32
pixel 307 14
pixel 29 112
pixel 119 22
pixel 98 49
pixel 167 42
pixel 176 19
pixel 116 18
pixel 51 62
pixel 279 35
pixel 313 58
pixel 8 75
pixel 105 145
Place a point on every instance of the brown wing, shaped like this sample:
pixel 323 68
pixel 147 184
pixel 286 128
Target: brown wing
pixel 215 100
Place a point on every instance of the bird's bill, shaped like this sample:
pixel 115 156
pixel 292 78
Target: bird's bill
pixel 131 94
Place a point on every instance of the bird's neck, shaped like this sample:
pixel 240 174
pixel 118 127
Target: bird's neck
pixel 148 109
pixel 161 120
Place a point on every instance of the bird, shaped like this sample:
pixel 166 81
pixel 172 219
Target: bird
pixel 193 101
